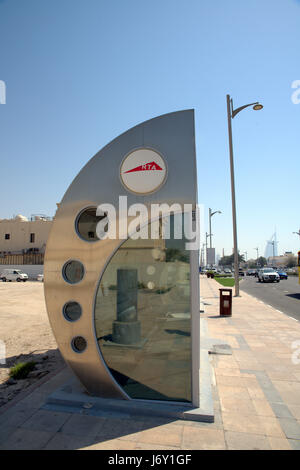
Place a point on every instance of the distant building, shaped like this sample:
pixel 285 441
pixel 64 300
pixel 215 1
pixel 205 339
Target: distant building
pixel 281 260
pixel 20 236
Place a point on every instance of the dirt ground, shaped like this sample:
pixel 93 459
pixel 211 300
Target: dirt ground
pixel 26 334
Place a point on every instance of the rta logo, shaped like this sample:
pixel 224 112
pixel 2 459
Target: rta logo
pixel 146 167
pixel 296 95
pixel 143 171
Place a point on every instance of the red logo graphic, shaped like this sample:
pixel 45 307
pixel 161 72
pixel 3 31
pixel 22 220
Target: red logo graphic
pixel 145 167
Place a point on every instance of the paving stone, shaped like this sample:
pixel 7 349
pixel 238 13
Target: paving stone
pixel 246 441
pixel 48 421
pixel 242 423
pixel 263 408
pixel 245 407
pixel 163 435
pixel 278 443
pixel 149 446
pixel 16 416
pixel 25 439
pixel 295 444
pixel 114 444
pixel 83 425
pixel 281 410
pixel 62 441
pixel 290 427
pixel 271 427
pixel 203 439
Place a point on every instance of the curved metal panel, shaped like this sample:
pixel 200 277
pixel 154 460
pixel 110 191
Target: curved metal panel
pixel 172 136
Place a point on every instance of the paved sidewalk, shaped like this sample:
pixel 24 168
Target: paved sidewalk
pixel 257 388
pixel 256 391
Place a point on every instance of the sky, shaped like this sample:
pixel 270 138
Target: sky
pixel 79 73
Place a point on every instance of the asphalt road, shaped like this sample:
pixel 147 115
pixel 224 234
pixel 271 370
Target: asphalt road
pixel 283 295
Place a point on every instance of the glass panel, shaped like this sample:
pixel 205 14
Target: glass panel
pixel 142 318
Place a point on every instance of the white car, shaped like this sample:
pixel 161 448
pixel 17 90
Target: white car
pixel 268 275
pixel 40 277
pixel 13 275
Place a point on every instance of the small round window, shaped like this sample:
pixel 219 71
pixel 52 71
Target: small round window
pixel 86 224
pixel 78 344
pixel 73 271
pixel 72 311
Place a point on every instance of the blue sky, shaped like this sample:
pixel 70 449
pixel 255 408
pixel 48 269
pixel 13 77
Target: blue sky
pixel 79 73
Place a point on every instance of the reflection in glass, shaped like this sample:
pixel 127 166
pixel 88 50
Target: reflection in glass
pixel 86 224
pixel 72 311
pixel 142 319
pixel 73 271
pixel 79 344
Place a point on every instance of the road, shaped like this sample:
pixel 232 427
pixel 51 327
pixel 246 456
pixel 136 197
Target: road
pixel 284 295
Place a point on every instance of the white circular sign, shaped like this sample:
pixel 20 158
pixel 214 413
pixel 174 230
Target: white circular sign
pixel 143 171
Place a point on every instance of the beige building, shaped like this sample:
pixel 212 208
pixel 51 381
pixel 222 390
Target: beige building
pixel 20 235
pixel 281 260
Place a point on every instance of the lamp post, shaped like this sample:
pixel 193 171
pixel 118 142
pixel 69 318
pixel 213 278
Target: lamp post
pixel 206 237
pixel 210 216
pixel 231 113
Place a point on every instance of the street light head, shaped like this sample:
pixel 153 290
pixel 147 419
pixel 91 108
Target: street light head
pixel 257 107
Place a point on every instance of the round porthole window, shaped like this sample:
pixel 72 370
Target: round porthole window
pixel 86 224
pixel 73 271
pixel 72 311
pixel 79 344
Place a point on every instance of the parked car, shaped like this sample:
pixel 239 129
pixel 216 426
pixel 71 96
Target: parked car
pixel 13 275
pixel 227 271
pixel 268 275
pixel 40 277
pixel 241 272
pixel 251 272
pixel 282 274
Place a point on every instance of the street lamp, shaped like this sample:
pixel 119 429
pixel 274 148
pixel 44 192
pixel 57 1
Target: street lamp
pixel 231 113
pixel 297 233
pixel 206 237
pixel 210 216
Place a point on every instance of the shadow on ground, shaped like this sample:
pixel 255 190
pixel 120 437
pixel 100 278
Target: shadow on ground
pixel 294 296
pixel 45 361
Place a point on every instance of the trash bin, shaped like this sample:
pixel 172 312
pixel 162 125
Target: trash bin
pixel 225 302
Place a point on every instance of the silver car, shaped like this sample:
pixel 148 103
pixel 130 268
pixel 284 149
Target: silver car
pixel 268 275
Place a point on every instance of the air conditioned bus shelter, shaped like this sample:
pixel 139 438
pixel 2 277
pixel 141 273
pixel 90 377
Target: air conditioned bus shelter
pixel 125 311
